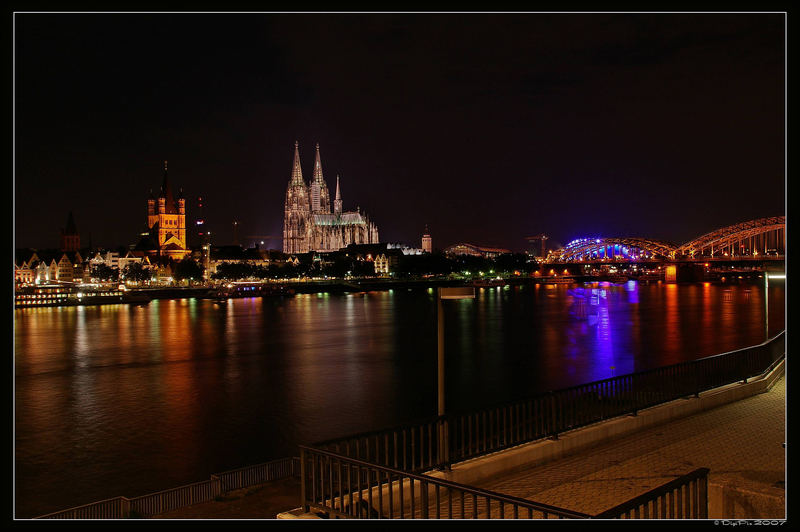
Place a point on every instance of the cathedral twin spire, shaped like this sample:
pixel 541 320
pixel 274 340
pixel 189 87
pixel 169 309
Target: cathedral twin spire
pixel 319 196
pixel 309 224
pixel 297 172
pixel 318 167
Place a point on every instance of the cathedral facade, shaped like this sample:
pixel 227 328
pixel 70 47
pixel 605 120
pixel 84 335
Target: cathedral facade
pixel 309 224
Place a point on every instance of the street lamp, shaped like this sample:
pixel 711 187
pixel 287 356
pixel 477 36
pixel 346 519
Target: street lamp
pixel 767 277
pixel 458 292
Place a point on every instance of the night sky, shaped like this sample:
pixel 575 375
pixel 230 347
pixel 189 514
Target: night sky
pixel 486 127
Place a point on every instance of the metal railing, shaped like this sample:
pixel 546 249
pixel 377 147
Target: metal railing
pixel 685 497
pixel 174 498
pixel 348 488
pixel 342 487
pixel 258 474
pixel 416 447
pixel 116 508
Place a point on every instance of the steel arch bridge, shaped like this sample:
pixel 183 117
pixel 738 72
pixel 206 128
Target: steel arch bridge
pixel 746 238
pixel 761 237
pixel 632 248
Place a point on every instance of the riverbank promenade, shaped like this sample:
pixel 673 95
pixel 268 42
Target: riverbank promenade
pixel 742 443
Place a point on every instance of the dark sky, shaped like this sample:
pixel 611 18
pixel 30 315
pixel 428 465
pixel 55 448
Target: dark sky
pixel 486 127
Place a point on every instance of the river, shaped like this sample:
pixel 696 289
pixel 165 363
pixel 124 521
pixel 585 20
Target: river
pixel 127 400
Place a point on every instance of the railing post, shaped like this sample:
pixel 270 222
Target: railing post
pixel 303 504
pixel 703 498
pixel 444 444
pixel 553 417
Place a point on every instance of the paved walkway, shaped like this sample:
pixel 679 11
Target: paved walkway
pixel 741 443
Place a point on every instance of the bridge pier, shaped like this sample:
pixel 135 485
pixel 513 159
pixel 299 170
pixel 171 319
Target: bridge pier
pixel 684 272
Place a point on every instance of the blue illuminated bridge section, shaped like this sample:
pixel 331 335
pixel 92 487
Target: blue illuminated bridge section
pixel 761 238
pixel 606 248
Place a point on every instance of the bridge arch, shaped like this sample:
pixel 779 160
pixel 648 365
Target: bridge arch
pixel 764 236
pixel 632 248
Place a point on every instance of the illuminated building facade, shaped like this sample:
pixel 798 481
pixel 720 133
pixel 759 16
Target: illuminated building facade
pixel 427 243
pixel 381 263
pixel 309 224
pixel 166 221
pixel 52 266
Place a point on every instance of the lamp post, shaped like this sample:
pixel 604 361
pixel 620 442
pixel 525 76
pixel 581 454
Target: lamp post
pixel 767 277
pixel 460 292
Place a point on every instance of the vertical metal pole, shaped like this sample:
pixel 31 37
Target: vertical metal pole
pixel 303 504
pixel 766 305
pixel 440 359
pixel 442 425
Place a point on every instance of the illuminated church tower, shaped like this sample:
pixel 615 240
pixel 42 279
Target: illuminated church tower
pixel 320 198
pixel 427 243
pixel 297 210
pixel 166 219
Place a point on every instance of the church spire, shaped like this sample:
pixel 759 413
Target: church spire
pixel 71 229
pixel 337 203
pixel 297 172
pixel 166 193
pixel 317 167
pixel 320 197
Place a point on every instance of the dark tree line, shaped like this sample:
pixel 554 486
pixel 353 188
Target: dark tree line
pixel 405 266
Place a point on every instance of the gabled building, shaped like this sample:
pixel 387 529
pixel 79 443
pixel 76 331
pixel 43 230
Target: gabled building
pixel 164 273
pixel 44 265
pixel 66 270
pixel 71 268
pixel 50 266
pixel 23 274
pixel 381 263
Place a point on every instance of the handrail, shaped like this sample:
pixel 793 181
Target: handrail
pixel 682 497
pixel 122 507
pixel 119 504
pixel 422 479
pixel 697 500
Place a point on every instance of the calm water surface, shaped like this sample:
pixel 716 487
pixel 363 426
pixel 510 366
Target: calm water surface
pixel 121 400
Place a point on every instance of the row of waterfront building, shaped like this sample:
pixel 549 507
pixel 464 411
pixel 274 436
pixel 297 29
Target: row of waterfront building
pixel 314 221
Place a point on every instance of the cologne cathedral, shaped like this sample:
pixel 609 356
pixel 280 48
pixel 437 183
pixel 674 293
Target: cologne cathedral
pixel 309 224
